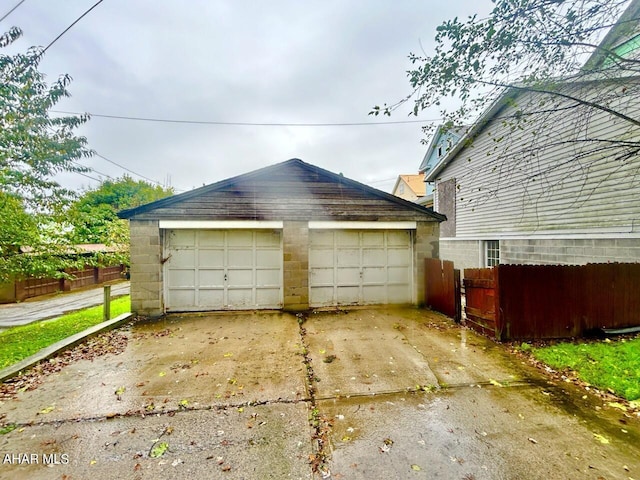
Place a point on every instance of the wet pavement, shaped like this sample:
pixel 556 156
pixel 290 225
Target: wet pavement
pixel 55 305
pixel 372 393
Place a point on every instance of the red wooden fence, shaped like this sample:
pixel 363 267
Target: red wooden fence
pixel 33 287
pixel 552 301
pixel 442 287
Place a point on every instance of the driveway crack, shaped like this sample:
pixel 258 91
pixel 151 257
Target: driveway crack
pixel 320 424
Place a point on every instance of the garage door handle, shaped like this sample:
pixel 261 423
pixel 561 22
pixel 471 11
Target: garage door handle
pixel 225 277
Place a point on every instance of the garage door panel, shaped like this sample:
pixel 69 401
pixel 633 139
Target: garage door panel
pixel 397 275
pixel 184 258
pixel 182 238
pixel 373 238
pixel 269 258
pixel 211 278
pixel 210 258
pixel 223 269
pixel 348 276
pixel 268 239
pixel 210 238
pixel 240 278
pixel 240 298
pixel 348 295
pixel 374 275
pixel 398 257
pixel 375 294
pixel 373 257
pixel 240 258
pixel 321 238
pixel 346 257
pixel 350 267
pixel 182 278
pixel 211 297
pixel 346 238
pixel 240 238
pixel 267 278
pixel 322 276
pixel 398 238
pixel 323 296
pixel 268 296
pixel 182 297
pixel 321 258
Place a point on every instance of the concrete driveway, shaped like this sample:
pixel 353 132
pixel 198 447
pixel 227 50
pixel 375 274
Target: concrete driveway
pixel 372 393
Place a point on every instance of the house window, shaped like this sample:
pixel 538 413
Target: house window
pixel 401 189
pixel 491 253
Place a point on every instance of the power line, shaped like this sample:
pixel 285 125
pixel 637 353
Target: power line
pixel 89 176
pixel 70 26
pixel 11 11
pixel 127 169
pixel 246 124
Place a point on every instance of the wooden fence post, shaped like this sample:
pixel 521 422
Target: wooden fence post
pixel 107 303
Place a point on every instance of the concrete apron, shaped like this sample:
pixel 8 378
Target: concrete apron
pixel 375 393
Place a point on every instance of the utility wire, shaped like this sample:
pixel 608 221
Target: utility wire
pixel 127 169
pixel 11 11
pixel 247 124
pixel 70 26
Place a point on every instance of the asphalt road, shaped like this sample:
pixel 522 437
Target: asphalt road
pixel 32 310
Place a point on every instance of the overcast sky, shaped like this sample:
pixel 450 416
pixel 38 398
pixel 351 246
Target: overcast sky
pixel 276 61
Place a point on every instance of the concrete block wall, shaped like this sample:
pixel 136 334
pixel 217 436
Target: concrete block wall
pixel 146 268
pixel 463 253
pixel 570 251
pixel 426 245
pixel 296 266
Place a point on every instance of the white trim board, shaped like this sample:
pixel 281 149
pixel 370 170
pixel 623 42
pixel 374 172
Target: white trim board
pixel 336 225
pixel 220 224
pixel 578 235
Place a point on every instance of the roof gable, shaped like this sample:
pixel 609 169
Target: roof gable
pixel 441 142
pixel 291 190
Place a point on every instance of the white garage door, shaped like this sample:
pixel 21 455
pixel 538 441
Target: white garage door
pixel 349 267
pixel 223 269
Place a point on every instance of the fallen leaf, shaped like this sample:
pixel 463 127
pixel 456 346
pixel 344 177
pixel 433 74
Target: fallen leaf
pixel 227 355
pixel 618 405
pixel 49 409
pixel 495 383
pixel 601 438
pixel 162 374
pixel 416 467
pixel 159 450
pixel 93 462
pixel 532 440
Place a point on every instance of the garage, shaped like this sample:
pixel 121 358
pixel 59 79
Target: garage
pixel 360 267
pixel 222 269
pixel 290 236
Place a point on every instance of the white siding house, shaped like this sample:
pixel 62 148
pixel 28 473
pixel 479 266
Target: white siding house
pixel 543 179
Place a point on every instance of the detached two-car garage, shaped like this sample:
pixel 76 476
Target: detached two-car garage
pixel 291 236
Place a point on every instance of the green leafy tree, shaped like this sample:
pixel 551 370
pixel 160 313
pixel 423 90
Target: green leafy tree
pixel 525 45
pixel 34 147
pixel 94 216
pixel 537 65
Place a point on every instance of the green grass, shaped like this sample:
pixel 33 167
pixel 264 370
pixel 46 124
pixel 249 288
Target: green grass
pixel 613 365
pixel 18 343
